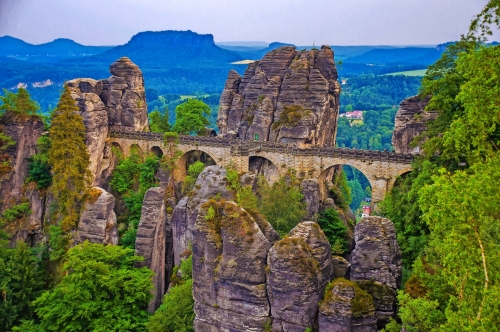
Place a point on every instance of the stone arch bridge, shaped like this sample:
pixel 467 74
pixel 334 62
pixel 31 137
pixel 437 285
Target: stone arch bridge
pixel 380 168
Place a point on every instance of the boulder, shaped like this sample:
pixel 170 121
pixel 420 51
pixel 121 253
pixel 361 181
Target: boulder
pixel 210 182
pixel 384 298
pixel 229 262
pixel 346 308
pixel 98 220
pixel 250 105
pixel 341 267
pixel 154 234
pixel 410 122
pixel 299 268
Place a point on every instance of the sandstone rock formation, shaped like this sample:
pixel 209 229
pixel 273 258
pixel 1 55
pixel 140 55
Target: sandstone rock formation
pixel 154 237
pixel 346 308
pixel 303 84
pixel 311 190
pixel 86 92
pixel 341 267
pixel 299 268
pixel 410 122
pixel 118 102
pixel 24 132
pixel 376 263
pixel 210 182
pixel 124 97
pixel 98 220
pixel 229 279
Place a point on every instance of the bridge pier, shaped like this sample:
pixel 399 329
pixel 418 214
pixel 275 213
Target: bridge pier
pixel 379 190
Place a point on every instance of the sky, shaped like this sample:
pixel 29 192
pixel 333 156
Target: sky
pixel 300 22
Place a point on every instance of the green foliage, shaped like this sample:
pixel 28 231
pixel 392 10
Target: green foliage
pixel 340 191
pixel 419 314
pixel 102 291
pixel 16 212
pixel 402 208
pixel 290 116
pixel 246 198
pixel 282 204
pixel 39 169
pixel 191 117
pixel 334 229
pixel 19 103
pixel 158 121
pixel 58 242
pixel 170 159
pixel 69 159
pixel 176 313
pixel 5 142
pixel 233 178
pixel 132 177
pixel 194 170
pixel 21 281
pixel 455 284
pixel 392 326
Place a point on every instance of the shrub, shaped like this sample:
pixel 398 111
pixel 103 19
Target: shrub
pixel 334 229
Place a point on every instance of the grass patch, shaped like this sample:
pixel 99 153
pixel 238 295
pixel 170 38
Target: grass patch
pixel 418 72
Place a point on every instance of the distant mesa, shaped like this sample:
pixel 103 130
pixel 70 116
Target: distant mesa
pixel 170 49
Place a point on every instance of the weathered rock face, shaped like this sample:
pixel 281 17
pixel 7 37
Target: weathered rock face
pixel 311 190
pixel 300 267
pixel 25 133
pixel 341 267
pixel 377 255
pixel 210 182
pixel 95 118
pixel 118 102
pixel 124 97
pixel 410 122
pixel 285 78
pixel 98 220
pixel 154 236
pixel 346 308
pixel 376 263
pixel 229 279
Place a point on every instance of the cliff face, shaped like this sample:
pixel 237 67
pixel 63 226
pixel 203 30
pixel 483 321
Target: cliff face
pixel 25 133
pixel 289 96
pixel 410 122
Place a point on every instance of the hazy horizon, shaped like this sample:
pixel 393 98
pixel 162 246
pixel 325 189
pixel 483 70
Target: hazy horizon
pixel 299 22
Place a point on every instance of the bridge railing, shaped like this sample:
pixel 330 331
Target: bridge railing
pixel 270 147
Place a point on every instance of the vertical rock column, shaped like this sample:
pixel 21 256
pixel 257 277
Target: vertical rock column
pixel 376 263
pixel 153 237
pixel 300 267
pixel 229 279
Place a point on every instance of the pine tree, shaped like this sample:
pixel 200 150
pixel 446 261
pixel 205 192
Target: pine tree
pixel 69 159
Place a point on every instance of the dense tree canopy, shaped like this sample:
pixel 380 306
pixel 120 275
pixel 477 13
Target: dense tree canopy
pixel 191 117
pixel 101 291
pixel 69 160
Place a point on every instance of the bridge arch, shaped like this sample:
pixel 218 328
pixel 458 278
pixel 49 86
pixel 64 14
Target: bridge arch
pixel 396 177
pixel 156 150
pixel 135 148
pixel 187 158
pixel 262 166
pixel 325 179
